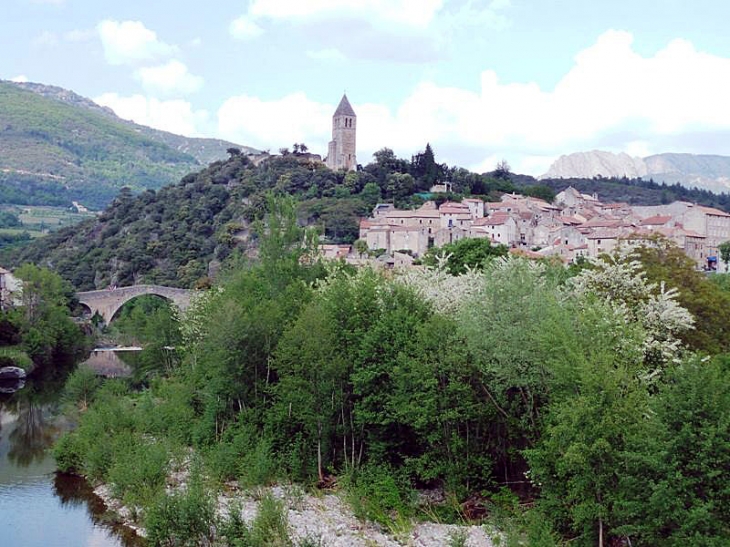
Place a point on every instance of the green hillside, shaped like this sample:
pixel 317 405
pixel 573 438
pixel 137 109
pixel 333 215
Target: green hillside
pixel 56 146
pixel 178 235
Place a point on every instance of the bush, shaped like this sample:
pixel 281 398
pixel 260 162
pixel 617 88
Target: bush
pixel 377 492
pixel 270 527
pixel 68 454
pixel 259 465
pixel 139 468
pixel 80 387
pixel 184 519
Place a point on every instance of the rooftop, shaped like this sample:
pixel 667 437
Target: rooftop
pixel 656 220
pixel 345 108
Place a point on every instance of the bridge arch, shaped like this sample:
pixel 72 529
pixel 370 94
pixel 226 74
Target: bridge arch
pixel 108 302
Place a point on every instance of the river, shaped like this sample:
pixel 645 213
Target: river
pixel 38 506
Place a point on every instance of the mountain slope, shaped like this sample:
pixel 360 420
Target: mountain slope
pixel 692 170
pixel 177 235
pixel 55 141
pixel 204 150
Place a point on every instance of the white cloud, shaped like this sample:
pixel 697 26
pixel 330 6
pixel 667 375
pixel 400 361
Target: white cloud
pixel 612 98
pixel 243 28
pixel 169 79
pixel 412 13
pixel 403 15
pixel 410 31
pixel 20 79
pixel 477 13
pixel 274 124
pixel 329 54
pixel 175 116
pixel 130 42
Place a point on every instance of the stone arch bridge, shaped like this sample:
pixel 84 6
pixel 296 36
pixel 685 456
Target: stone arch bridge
pixel 108 302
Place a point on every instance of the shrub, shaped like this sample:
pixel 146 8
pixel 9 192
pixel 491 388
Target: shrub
pixel 68 454
pixel 139 468
pixel 184 519
pixel 81 387
pixel 270 527
pixel 376 492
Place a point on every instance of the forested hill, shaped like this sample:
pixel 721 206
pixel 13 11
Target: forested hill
pixel 179 234
pixel 174 236
pixel 635 191
pixel 56 146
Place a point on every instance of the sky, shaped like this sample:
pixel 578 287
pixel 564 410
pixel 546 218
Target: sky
pixel 480 80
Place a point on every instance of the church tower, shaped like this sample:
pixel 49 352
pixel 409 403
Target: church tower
pixel 341 152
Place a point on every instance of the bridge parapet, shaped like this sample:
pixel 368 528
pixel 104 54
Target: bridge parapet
pixel 108 302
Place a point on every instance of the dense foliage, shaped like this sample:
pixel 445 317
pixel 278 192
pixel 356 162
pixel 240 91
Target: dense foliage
pixel 37 322
pixel 178 235
pixel 577 391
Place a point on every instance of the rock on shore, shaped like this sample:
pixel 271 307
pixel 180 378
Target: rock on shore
pixel 326 518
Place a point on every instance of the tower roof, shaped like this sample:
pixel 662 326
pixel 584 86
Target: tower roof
pixel 345 108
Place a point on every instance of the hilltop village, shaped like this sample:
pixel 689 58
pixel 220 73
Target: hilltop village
pixel 575 225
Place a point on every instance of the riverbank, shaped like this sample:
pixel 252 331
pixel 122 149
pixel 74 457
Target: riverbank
pixel 324 517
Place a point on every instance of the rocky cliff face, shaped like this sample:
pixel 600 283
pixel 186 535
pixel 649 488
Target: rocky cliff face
pixel 691 170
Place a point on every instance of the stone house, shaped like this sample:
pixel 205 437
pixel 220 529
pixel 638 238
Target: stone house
pixel 657 221
pixel 712 223
pixel 445 236
pixel 455 215
pixel 602 241
pixel 499 227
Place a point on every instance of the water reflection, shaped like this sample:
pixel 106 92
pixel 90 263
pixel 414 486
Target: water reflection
pixel 32 435
pixel 111 364
pixel 74 492
pixel 31 492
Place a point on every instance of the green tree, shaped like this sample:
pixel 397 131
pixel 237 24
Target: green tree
pixel 665 263
pixel 541 191
pixel 466 253
pixel 689 502
pixel 370 194
pixel 585 449
pixel 361 247
pixel 312 372
pixel 46 327
pixel 724 249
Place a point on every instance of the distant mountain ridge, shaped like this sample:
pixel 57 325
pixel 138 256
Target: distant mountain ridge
pixel 54 142
pixel 709 172
pixel 205 150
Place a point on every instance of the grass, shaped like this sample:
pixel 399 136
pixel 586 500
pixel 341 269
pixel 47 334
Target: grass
pixel 38 221
pixel 15 231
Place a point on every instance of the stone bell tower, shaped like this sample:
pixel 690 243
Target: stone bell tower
pixel 341 152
